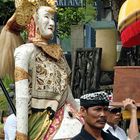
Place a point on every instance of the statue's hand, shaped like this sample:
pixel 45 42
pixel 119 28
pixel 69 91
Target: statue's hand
pixel 21 136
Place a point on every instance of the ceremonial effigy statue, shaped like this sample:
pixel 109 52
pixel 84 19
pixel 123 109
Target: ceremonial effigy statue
pixel 41 75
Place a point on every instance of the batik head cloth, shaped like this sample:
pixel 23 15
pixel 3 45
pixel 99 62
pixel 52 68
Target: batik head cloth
pixel 94 99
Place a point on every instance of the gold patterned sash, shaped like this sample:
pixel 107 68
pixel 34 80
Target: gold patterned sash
pixel 20 74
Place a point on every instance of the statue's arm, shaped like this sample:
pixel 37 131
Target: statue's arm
pixel 22 57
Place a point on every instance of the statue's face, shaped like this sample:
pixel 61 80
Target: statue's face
pixel 45 21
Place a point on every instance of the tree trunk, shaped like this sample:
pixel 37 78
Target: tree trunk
pixel 116 5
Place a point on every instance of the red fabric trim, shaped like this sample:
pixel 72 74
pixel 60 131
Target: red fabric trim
pixel 130 36
pixel 31 27
pixel 55 124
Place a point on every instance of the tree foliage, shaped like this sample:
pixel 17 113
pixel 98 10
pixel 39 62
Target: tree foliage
pixel 72 16
pixel 6 10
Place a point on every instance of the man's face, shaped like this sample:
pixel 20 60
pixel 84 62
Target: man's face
pixel 45 21
pixel 95 116
pixel 114 116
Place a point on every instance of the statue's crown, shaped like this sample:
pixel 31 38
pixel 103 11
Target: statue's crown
pixel 26 8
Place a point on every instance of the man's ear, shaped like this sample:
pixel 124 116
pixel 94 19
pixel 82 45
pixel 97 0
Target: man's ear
pixel 83 111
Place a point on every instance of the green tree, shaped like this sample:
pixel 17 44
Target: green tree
pixel 71 16
pixel 3 101
pixel 6 10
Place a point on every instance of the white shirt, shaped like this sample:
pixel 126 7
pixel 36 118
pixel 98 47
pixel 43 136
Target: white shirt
pixel 118 132
pixel 10 127
pixel 70 127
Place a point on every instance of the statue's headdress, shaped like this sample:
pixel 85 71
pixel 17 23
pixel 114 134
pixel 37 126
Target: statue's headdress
pixel 26 8
pixel 9 36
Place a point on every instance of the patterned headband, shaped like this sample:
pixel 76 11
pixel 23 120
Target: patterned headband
pixel 94 99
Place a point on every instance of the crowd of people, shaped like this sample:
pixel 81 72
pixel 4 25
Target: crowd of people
pixel 101 120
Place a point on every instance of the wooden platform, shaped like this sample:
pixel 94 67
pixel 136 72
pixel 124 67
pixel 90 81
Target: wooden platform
pixel 126 84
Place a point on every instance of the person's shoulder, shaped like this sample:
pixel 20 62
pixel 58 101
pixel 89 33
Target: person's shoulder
pixel 122 131
pixel 108 136
pixel 111 137
pixel 77 137
pixel 120 128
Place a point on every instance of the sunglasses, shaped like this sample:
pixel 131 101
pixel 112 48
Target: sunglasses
pixel 115 110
